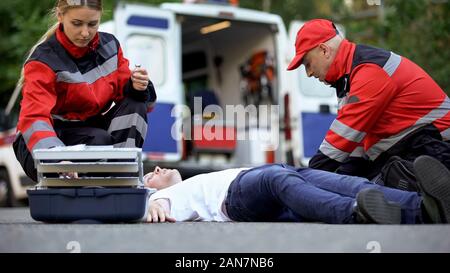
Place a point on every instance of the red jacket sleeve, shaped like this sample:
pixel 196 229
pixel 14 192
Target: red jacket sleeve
pixel 39 98
pixel 370 93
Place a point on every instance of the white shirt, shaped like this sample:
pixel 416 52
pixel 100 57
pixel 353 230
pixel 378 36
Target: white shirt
pixel 200 197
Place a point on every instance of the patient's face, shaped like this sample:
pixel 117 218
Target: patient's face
pixel 162 178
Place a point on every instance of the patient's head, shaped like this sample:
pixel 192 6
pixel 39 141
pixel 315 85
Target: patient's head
pixel 162 178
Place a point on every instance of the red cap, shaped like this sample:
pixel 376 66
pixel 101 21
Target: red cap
pixel 310 35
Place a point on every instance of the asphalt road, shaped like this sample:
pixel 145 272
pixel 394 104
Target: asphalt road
pixel 20 233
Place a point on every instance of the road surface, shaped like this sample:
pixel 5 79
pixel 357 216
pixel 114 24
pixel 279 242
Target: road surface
pixel 20 233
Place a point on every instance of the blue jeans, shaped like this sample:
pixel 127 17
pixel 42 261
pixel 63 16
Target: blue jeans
pixel 280 192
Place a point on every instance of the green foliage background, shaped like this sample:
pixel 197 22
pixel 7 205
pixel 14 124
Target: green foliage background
pixel 417 29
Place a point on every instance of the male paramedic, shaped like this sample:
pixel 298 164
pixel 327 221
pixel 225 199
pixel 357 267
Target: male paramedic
pixel 387 105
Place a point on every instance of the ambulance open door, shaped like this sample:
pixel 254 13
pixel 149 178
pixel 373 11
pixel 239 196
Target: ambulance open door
pixel 150 37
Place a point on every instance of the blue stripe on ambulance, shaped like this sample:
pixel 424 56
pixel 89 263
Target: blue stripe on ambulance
pixel 144 21
pixel 159 138
pixel 314 127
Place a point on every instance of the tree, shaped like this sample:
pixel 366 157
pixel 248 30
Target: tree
pixel 22 24
pixel 420 30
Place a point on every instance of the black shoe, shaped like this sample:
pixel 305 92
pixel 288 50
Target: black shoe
pixel 399 174
pixel 434 185
pixel 373 208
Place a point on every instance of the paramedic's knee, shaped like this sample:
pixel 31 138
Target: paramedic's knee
pixel 130 105
pixel 25 158
pixel 97 136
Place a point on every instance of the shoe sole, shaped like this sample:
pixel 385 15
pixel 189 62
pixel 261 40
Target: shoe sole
pixel 376 208
pixel 434 181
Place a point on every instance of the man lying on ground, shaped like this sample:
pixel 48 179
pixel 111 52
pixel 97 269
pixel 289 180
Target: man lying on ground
pixel 278 192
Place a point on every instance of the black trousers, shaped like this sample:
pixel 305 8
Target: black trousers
pixel 125 125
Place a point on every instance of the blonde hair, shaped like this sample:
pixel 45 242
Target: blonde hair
pixel 61 6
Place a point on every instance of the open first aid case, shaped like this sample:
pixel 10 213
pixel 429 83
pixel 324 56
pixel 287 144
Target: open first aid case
pixel 108 186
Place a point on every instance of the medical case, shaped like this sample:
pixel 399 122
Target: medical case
pixel 108 187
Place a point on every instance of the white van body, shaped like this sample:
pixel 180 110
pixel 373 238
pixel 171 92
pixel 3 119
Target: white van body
pixel 13 181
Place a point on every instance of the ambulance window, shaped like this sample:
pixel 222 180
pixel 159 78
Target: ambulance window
pixel 311 87
pixel 149 52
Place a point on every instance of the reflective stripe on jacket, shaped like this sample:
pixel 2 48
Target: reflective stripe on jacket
pixel 71 83
pixel 382 98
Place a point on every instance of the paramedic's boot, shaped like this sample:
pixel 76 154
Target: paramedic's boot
pixel 373 208
pixel 434 185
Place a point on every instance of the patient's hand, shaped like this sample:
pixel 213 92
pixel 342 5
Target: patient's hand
pixel 70 174
pixel 159 211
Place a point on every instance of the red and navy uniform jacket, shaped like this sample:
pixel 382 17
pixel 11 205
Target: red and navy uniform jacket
pixel 66 82
pixel 383 97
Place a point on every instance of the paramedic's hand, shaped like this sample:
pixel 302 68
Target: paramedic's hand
pixel 68 175
pixel 139 78
pixel 158 211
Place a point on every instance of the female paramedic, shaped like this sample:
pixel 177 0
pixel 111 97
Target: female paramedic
pixel 77 88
